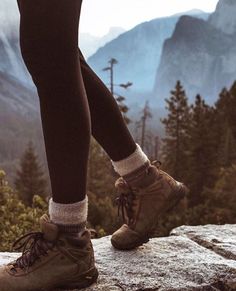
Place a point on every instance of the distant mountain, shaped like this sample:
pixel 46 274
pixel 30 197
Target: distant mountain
pixel 15 98
pixel 224 16
pixel 202 54
pixel 9 14
pixel 11 60
pixel 138 52
pixel 10 56
pixel 192 12
pixel 89 44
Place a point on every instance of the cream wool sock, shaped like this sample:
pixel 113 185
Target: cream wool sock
pixel 134 161
pixel 69 217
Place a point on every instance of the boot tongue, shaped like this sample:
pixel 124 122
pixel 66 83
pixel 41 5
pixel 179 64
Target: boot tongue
pixel 50 230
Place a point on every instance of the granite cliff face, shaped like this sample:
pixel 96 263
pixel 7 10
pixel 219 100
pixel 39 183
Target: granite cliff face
pixel 202 54
pixel 224 16
pixel 192 258
pixel 138 52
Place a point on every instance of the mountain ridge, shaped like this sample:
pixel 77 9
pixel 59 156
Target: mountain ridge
pixel 200 55
pixel 144 46
pixel 89 43
pixel 224 16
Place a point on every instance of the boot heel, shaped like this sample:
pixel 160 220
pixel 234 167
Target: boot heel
pixel 85 281
pixel 178 196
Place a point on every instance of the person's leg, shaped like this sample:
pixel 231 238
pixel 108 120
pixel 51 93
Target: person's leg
pixel 108 125
pixel 49 42
pixel 61 255
pixel 145 191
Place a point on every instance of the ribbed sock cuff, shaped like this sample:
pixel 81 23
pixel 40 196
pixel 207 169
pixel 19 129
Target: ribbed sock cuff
pixel 69 217
pixel 131 163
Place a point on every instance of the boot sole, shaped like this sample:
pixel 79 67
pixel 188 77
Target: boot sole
pixel 131 246
pixel 85 281
pixel 170 205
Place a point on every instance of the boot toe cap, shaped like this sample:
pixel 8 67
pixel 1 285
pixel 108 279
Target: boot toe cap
pixel 125 238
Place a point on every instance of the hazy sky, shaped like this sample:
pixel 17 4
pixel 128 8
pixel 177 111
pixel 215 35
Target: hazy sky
pixel 98 15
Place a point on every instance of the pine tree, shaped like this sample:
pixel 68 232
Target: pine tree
pixel 220 206
pixel 100 171
pixel 202 144
pixel 176 124
pixel 231 111
pixel 30 180
pixel 120 99
pixel 226 126
pixel 227 148
pixel 123 108
pixel 141 125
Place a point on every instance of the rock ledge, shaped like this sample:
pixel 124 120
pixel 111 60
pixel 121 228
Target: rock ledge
pixel 195 258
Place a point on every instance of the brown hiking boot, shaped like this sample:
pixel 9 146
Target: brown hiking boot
pixel 50 259
pixel 145 195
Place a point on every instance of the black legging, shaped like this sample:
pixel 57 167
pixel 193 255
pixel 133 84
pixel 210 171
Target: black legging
pixel 74 102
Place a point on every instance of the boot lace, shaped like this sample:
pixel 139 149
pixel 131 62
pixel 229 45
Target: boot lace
pixel 125 205
pixel 125 200
pixel 33 246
